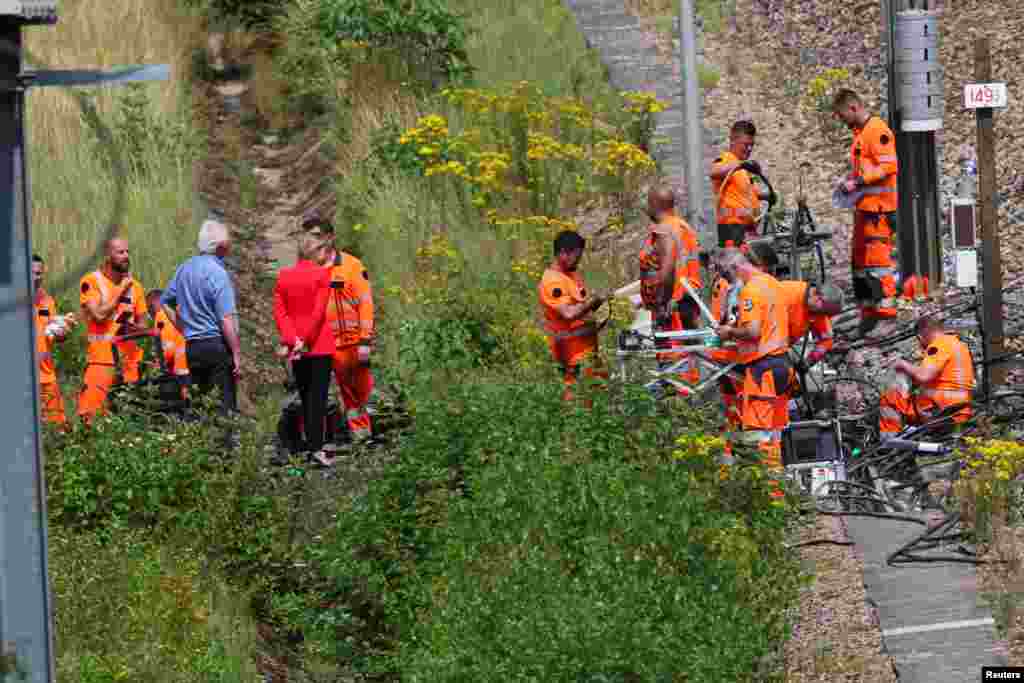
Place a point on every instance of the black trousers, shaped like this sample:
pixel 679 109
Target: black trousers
pixel 313 379
pixel 210 365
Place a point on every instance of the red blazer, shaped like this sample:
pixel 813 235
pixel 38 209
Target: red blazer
pixel 300 307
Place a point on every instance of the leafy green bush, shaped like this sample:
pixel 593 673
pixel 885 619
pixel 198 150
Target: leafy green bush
pixel 426 33
pixel 250 14
pixel 516 535
pixel 126 611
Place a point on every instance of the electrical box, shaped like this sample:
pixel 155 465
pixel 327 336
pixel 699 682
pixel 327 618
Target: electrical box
pixel 812 454
pixel 30 11
pixel 962 223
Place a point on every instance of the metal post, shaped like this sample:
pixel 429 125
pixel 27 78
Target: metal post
pixel 25 627
pixel 992 265
pixel 693 147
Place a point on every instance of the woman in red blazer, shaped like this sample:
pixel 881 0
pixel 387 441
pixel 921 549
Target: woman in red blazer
pixel 300 311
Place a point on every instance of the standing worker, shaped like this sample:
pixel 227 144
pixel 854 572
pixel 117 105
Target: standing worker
pixel 173 357
pixel 300 312
pixel 113 305
pixel 566 313
pixel 203 298
pixel 683 312
pixel 761 336
pixel 872 183
pixel 350 315
pixel 51 328
pixel 945 378
pixel 738 199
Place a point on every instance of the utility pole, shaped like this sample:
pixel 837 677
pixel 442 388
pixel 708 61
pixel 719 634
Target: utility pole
pixel 992 263
pixel 26 626
pixel 693 147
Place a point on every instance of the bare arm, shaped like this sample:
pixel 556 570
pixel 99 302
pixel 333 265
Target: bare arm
pixel 229 325
pixel 920 374
pixel 572 312
pixel 103 310
pixel 721 170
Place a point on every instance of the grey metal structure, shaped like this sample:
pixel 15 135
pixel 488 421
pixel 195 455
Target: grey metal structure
pixel 915 112
pixel 698 211
pixel 26 639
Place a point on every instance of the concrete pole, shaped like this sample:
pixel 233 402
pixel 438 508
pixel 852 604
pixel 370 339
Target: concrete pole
pixel 693 144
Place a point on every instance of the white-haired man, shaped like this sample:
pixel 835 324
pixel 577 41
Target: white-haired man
pixel 203 296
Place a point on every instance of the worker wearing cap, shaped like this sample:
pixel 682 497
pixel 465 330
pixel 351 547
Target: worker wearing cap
pixel 738 198
pixel 761 336
pixel 51 329
pixel 872 181
pixel 566 313
pixel 173 358
pixel 944 379
pixel 113 305
pixel 683 252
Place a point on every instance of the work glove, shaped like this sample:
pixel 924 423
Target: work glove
pixel 752 166
pixel 773 198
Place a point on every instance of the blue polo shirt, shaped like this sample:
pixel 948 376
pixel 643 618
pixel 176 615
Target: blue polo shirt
pixel 201 289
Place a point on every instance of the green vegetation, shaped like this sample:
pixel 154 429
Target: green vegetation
pixel 510 536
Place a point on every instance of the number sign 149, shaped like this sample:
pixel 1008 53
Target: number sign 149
pixel 984 95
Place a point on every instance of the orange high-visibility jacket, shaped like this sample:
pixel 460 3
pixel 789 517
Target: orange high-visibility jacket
pixel 738 200
pixel 45 312
pixel 96 286
pixel 688 265
pixel 873 155
pixel 350 306
pixel 172 344
pixel 801 320
pixel 569 340
pixel 649 263
pixel 760 301
pixel 955 381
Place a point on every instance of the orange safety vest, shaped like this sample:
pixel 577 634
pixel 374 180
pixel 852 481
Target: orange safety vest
pixel 172 343
pixel 801 320
pixel 955 381
pixel 737 201
pixel 45 312
pixel 873 155
pixel 569 340
pixel 649 263
pixel 688 264
pixel 97 286
pixel 760 301
pixel 350 306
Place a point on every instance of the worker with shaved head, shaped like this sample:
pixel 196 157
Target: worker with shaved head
pixel 113 306
pixel 670 255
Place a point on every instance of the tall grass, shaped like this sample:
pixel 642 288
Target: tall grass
pixel 73 187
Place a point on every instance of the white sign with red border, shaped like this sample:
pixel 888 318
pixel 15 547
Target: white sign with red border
pixel 985 95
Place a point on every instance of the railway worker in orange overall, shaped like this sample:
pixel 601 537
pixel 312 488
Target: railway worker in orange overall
pixel 51 329
pixel 945 378
pixel 738 199
pixel 350 315
pixel 173 359
pixel 761 335
pixel 566 309
pixel 682 313
pixel 113 304
pixel 873 179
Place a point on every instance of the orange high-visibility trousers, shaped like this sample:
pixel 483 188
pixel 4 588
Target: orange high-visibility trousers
pixel 874 272
pixel 131 358
pixel 898 409
pixel 95 384
pixel 589 367
pixel 763 416
pixel 355 383
pixel 52 403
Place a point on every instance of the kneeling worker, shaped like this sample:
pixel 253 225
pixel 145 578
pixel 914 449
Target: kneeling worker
pixel 173 359
pixel 566 310
pixel 944 378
